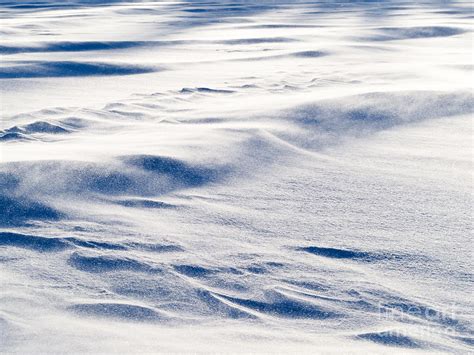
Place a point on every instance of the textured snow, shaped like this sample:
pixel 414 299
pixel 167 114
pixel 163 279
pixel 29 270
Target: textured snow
pixel 236 176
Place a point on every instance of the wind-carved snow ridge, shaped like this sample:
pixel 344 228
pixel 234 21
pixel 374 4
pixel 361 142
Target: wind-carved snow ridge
pixel 236 176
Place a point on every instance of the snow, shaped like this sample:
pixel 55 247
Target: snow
pixel 236 176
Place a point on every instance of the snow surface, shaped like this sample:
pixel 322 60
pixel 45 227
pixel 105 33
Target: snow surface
pixel 236 176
